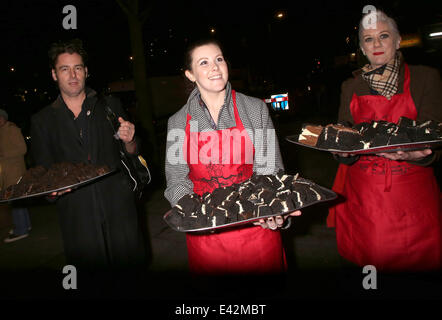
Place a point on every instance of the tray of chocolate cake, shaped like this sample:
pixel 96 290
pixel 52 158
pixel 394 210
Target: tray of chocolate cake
pixel 371 137
pixel 39 181
pixel 260 197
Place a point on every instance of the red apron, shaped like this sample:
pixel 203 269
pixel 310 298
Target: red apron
pixel 391 216
pixel 241 250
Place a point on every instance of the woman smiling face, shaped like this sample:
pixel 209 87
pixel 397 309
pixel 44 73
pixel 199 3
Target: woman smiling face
pixel 379 44
pixel 208 69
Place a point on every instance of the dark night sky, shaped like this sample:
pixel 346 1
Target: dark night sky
pixel 250 34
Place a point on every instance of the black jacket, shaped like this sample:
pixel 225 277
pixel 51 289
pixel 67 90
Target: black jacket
pixel 99 220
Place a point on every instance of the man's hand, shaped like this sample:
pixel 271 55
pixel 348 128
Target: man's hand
pixel 126 131
pixel 59 193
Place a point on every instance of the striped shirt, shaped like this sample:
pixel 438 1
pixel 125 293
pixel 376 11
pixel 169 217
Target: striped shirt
pixel 207 112
pixel 255 117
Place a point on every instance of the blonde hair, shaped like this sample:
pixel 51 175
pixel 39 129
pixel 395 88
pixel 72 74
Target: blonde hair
pixel 379 16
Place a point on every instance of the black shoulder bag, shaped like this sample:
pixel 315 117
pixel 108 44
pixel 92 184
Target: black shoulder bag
pixel 135 165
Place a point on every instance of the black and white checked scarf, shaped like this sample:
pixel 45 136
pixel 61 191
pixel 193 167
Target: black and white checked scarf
pixel 385 79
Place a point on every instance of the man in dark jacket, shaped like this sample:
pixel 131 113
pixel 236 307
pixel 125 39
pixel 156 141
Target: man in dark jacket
pixel 98 221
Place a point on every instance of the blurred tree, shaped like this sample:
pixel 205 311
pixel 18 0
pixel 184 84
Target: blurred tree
pixel 136 18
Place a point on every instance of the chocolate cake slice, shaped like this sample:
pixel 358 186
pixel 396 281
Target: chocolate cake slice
pixel 284 194
pixel 300 192
pixel 83 172
pixel 259 196
pixel 266 195
pixel 189 204
pixel 376 134
pixel 401 135
pixel 221 217
pixel 205 211
pixel 286 180
pixel 309 134
pixel 384 127
pixel 246 189
pixel 361 127
pixel 175 217
pixel 8 192
pixel 405 122
pixel 261 181
pixel 30 182
pixel 226 204
pixel 22 189
pixel 233 195
pixel 427 131
pixel 379 140
pixel 279 206
pixel 202 221
pixel 39 180
pixel 245 209
pixel 220 194
pixel 32 174
pixel 262 210
pixel 336 136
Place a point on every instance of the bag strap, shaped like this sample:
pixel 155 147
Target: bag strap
pixel 114 123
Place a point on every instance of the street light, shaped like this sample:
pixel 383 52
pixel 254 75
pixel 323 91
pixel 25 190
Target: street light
pixel 280 15
pixel 435 34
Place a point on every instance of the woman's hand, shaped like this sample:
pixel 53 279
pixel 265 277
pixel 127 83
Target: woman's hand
pixel 407 155
pixel 274 223
pixel 343 154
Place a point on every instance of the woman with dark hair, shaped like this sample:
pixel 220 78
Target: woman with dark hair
pixel 214 107
pixel 391 214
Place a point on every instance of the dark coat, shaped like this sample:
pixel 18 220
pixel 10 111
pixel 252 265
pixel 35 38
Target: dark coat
pixel 98 221
pixel 12 151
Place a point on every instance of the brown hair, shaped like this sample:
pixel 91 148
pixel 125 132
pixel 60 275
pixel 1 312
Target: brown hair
pixel 192 46
pixel 70 46
pixel 187 63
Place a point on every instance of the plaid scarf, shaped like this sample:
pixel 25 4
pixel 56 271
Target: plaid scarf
pixel 385 79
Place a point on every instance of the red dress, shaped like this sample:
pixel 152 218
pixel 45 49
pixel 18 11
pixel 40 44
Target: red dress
pixel 391 215
pixel 250 249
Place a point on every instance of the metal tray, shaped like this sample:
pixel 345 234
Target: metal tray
pixel 330 195
pixel 73 186
pixel 411 146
